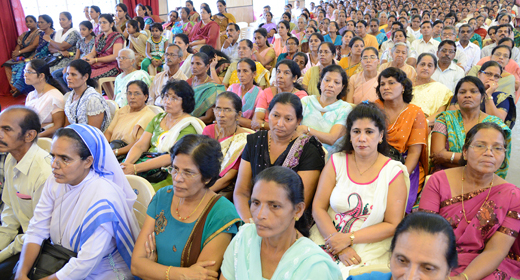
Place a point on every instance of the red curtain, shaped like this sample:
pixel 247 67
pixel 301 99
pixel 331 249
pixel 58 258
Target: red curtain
pixel 12 24
pixel 131 4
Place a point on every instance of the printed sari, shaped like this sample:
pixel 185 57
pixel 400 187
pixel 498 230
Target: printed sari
pixel 105 47
pixel 205 97
pixel 209 32
pixel 450 124
pixel 486 216
pixel 249 99
pixel 410 128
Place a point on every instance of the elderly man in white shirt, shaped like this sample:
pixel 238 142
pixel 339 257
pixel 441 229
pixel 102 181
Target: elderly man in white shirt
pixel 503 31
pixel 26 170
pixel 471 50
pixel 230 45
pixel 173 56
pixel 426 43
pixel 447 72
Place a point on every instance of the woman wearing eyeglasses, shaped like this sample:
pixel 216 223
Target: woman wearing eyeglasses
pixel 150 153
pixel 126 61
pixel 362 85
pixel 496 103
pixel 481 207
pixel 188 226
pixel 449 131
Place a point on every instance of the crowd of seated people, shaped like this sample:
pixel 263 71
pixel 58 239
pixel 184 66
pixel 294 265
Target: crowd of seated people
pixel 346 140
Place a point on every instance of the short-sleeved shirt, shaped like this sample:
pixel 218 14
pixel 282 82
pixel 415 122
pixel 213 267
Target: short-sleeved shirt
pixel 256 153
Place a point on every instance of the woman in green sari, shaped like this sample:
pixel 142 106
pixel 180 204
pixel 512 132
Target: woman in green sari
pixel 206 89
pixel 449 132
pixel 190 242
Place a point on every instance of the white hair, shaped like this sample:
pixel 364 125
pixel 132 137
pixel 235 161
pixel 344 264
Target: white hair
pixel 400 44
pixel 129 52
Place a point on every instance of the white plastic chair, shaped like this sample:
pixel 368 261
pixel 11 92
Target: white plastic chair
pixel 242 24
pixel 113 107
pixel 101 81
pixel 45 143
pixel 156 109
pixel 144 191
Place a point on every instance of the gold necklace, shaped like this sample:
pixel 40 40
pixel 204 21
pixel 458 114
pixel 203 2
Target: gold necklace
pixel 361 173
pixel 198 83
pixel 177 210
pixel 462 196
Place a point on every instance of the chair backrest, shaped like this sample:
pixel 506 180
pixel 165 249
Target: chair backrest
pixel 242 24
pixel 145 193
pixel 45 143
pixel 156 109
pixel 113 107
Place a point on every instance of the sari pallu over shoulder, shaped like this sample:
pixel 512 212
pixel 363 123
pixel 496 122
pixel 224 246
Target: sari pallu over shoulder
pixel 205 97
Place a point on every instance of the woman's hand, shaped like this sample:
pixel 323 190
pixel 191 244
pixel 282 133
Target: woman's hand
pixel 349 257
pixel 491 87
pixel 213 62
pixel 150 248
pixel 255 125
pixel 199 271
pixel 437 158
pixel 302 129
pixel 128 168
pixel 337 242
pixel 90 61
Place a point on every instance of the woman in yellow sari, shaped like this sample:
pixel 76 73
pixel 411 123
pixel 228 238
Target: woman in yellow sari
pixel 352 62
pixel 245 50
pixel 223 18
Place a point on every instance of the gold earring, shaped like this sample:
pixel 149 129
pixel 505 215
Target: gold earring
pixel 296 219
pixel 381 141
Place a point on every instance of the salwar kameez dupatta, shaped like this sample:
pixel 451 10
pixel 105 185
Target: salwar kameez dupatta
pixel 303 260
pixel 205 97
pixel 105 47
pixel 486 216
pixel 209 32
pixel 249 99
pixel 450 124
pixel 410 128
pixel 94 218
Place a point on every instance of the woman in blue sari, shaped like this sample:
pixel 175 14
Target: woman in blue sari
pixel 45 24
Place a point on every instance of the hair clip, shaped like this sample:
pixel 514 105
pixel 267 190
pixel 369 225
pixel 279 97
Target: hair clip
pixel 365 102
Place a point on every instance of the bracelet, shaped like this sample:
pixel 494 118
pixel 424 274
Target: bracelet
pixel 308 130
pixel 96 60
pixel 452 157
pixel 168 273
pixel 352 239
pixel 135 170
pixel 465 276
pixel 117 152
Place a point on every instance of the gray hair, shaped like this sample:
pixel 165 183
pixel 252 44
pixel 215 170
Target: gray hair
pixel 449 28
pixel 129 52
pixel 179 50
pixel 468 26
pixel 304 19
pixel 400 44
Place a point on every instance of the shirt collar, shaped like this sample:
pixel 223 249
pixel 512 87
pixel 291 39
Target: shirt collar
pixel 25 163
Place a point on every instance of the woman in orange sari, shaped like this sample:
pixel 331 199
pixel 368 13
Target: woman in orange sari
pixel 407 127
pixel 205 32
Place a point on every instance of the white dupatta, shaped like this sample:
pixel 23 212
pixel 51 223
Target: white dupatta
pixel 168 139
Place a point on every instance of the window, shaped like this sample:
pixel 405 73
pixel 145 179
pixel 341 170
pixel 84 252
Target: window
pixel 53 8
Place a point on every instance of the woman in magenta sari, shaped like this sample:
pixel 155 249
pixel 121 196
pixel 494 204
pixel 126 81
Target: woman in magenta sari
pixel 206 31
pixel 102 58
pixel 482 208
pixel 232 138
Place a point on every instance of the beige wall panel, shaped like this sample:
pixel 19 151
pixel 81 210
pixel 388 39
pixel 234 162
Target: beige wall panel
pixel 244 13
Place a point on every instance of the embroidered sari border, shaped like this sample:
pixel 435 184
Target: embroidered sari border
pixel 458 198
pixel 221 230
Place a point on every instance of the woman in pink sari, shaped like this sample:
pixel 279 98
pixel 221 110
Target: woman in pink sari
pixel 206 31
pixel 482 208
pixel 232 138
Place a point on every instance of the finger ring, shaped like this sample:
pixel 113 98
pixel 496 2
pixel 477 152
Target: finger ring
pixel 353 259
pixel 153 251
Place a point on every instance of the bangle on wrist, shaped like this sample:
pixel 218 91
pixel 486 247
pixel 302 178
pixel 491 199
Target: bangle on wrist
pixel 308 130
pixel 135 170
pixel 465 276
pixel 352 239
pixel 452 157
pixel 116 152
pixel 168 273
